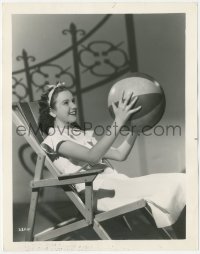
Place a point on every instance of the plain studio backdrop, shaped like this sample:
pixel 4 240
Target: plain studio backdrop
pixel 159 48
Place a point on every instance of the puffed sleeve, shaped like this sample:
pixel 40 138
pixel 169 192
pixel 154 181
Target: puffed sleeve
pixel 52 143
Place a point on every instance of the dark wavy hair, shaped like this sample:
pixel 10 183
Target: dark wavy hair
pixel 46 121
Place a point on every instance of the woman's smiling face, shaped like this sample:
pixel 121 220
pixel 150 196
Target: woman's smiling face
pixel 65 108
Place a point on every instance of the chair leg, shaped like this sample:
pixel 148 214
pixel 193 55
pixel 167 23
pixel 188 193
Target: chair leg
pixel 31 216
pixel 89 201
pixel 34 199
pixel 100 231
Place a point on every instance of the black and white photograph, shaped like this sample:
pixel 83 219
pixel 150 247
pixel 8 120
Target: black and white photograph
pixel 99 121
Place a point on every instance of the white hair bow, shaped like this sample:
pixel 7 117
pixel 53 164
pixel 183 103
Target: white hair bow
pixel 52 91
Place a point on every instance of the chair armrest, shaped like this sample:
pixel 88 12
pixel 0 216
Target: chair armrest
pixel 95 170
pixel 82 177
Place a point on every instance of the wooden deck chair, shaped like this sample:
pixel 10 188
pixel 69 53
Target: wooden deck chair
pixel 26 114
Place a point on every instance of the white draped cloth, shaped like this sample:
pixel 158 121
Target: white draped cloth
pixel 164 193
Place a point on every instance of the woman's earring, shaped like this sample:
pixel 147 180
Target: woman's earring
pixel 52 114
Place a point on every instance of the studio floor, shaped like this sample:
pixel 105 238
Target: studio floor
pixel 50 214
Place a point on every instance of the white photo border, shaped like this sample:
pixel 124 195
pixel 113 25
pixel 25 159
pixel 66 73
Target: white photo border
pixel 190 10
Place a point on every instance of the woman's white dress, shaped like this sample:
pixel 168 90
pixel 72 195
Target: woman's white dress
pixel 164 192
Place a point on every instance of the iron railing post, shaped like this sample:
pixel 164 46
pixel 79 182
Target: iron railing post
pixel 130 31
pixel 27 73
pixel 133 66
pixel 77 72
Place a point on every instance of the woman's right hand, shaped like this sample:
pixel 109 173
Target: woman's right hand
pixel 125 107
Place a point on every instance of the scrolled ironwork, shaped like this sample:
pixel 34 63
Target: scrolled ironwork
pixel 65 72
pixel 24 149
pixel 66 32
pixel 59 73
pixel 73 29
pixel 69 49
pixel 17 84
pixel 101 53
pixel 25 56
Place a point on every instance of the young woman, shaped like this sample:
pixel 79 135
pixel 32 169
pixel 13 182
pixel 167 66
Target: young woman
pixel 71 149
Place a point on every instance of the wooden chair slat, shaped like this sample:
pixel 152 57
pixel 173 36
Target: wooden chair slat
pixel 31 119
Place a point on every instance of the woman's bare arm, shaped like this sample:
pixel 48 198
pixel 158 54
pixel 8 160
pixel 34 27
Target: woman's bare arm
pixel 121 153
pixel 94 154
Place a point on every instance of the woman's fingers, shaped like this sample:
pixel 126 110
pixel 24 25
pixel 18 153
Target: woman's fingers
pixel 121 101
pixel 127 99
pixel 114 107
pixel 130 98
pixel 132 103
pixel 122 97
pixel 135 110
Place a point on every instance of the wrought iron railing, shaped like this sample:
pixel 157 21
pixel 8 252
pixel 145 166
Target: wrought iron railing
pixel 36 76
